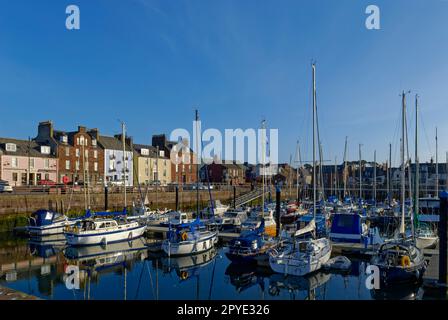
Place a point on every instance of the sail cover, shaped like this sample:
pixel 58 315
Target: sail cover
pixel 310 227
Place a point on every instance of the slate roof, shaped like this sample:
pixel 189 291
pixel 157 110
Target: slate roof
pixel 112 143
pixel 25 148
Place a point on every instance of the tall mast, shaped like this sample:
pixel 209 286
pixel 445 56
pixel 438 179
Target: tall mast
pixel 197 162
pixel 263 163
pixel 389 182
pixel 360 173
pixel 437 166
pixel 299 165
pixel 374 176
pixel 345 168
pixel 314 141
pixel 336 191
pixel 290 175
pixel 402 226
pixel 123 141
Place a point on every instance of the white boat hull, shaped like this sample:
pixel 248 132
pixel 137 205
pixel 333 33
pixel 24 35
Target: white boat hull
pixel 75 239
pixel 190 246
pixel 426 242
pixel 55 228
pixel 292 266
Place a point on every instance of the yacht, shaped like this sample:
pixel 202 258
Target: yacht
pixel 46 222
pixel 93 231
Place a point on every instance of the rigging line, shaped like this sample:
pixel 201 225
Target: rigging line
pixel 424 130
pixel 140 280
pixel 152 284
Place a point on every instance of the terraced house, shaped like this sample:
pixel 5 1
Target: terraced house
pixel 80 159
pixel 183 172
pixel 114 162
pixel 151 165
pixel 25 162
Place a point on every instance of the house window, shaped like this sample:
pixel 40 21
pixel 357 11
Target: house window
pixel 77 164
pixel 14 162
pixel 95 166
pixel 67 151
pixel 14 176
pixel 23 178
pixel 47 163
pixel 31 162
pixel 177 168
pixel 86 153
pixel 82 140
pixel 67 164
pixel 77 141
pixel 164 172
pixel 47 176
pixel 11 147
pixel 112 165
pixel 77 152
pixel 95 154
pixel 94 142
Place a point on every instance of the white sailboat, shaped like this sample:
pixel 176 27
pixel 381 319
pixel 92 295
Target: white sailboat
pixel 424 237
pixel 302 257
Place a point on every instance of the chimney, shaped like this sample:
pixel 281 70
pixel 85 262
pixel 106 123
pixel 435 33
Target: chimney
pixel 95 133
pixel 81 129
pixel 45 131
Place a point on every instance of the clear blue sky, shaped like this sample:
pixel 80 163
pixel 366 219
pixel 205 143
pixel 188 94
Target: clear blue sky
pixel 151 62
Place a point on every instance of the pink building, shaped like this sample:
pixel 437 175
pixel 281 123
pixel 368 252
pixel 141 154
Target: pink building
pixel 26 162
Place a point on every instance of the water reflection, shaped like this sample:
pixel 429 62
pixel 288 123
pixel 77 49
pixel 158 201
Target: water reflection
pixel 139 270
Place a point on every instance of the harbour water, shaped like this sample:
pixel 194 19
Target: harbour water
pixel 133 271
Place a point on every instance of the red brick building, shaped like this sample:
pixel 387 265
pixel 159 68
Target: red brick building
pixel 75 150
pixel 232 174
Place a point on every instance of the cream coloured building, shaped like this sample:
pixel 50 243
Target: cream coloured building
pixel 151 166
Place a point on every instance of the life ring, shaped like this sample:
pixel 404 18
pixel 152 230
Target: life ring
pixel 184 275
pixel 184 236
pixel 405 261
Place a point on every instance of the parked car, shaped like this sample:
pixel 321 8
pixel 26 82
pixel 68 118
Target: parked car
pixel 5 187
pixel 46 183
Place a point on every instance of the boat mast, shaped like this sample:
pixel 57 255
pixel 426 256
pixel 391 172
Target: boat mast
pixel 389 183
pixel 336 191
pixel 417 164
pixel 437 166
pixel 374 176
pixel 299 165
pixel 290 175
pixel 360 174
pixel 314 140
pixel 123 141
pixel 402 226
pixel 345 168
pixel 263 164
pixel 197 162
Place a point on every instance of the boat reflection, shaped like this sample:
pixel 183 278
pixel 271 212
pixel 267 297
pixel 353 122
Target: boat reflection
pixel 245 276
pixel 187 267
pixel 403 291
pixel 46 247
pixel 294 285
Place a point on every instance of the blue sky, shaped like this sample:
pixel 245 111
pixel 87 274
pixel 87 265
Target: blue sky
pixel 151 62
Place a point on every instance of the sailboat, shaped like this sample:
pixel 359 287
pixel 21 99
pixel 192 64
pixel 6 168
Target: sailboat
pixel 302 257
pixel 399 260
pixel 265 213
pixel 425 236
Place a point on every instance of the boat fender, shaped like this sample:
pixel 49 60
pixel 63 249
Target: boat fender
pixel 184 236
pixel 184 275
pixel 405 261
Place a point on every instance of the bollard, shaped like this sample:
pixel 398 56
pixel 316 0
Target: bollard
pixel 277 210
pixel 106 198
pixel 443 196
pixel 177 198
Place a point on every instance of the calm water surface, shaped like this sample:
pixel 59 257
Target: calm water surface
pixel 132 271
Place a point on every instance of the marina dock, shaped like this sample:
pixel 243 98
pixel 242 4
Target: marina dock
pixel 10 294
